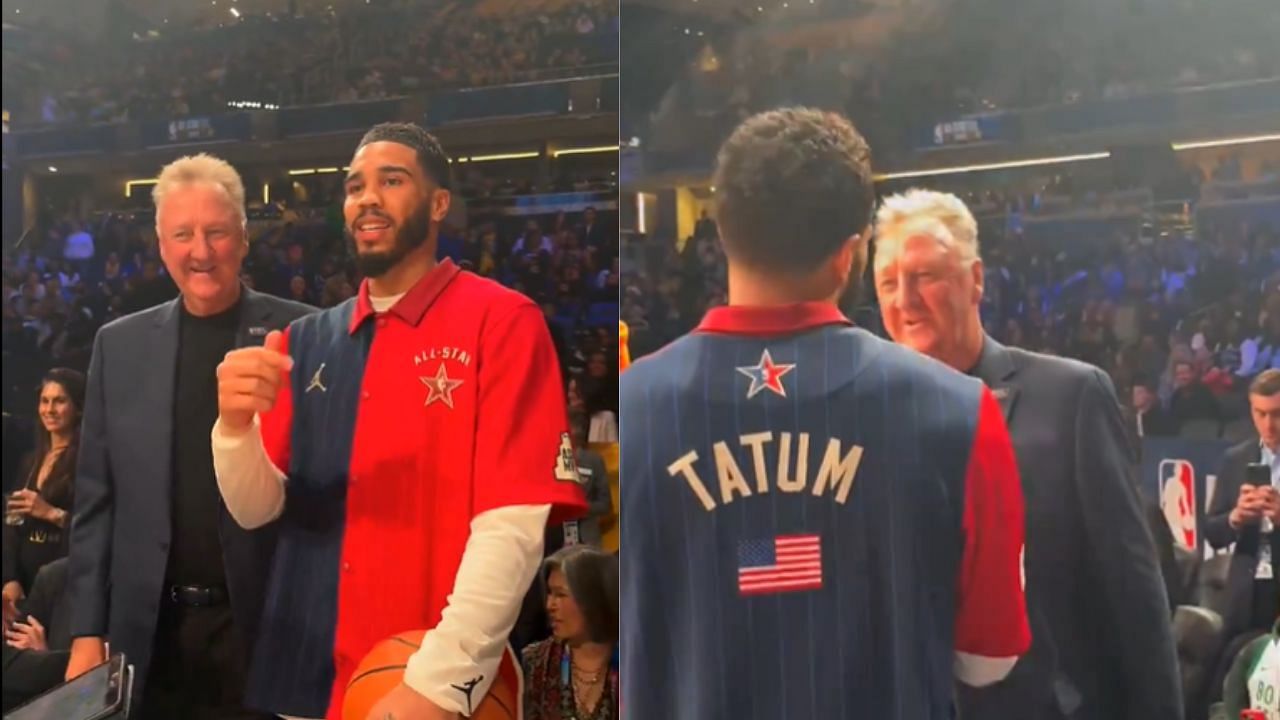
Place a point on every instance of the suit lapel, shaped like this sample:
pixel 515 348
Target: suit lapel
pixel 997 369
pixel 157 389
pixel 255 315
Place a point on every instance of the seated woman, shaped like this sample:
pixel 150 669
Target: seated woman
pixel 37 516
pixel 573 675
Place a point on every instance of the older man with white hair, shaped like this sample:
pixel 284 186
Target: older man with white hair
pixel 158 567
pixel 1102 645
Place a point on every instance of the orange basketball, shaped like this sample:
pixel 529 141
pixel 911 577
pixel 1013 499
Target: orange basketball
pixel 383 668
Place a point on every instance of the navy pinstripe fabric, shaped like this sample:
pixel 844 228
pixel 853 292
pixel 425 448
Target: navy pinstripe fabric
pixel 874 642
pixel 293 669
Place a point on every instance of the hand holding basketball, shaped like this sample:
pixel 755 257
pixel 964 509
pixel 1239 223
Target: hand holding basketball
pixel 377 690
pixel 404 703
pixel 248 380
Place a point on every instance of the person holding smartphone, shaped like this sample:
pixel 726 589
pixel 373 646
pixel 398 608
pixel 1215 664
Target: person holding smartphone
pixel 1245 511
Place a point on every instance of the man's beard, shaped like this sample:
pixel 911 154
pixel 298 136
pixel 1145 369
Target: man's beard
pixel 409 237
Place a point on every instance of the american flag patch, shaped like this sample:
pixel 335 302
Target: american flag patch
pixel 786 563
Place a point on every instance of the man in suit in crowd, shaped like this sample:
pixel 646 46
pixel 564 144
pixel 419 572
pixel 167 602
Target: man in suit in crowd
pixel 1102 644
pixel 1246 511
pixel 158 567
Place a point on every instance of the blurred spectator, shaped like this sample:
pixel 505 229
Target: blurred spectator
pixel 595 480
pixel 1192 399
pixel 1147 418
pixel 79 245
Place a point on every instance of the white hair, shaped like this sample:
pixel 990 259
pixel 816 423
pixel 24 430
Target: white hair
pixel 201 169
pixel 941 216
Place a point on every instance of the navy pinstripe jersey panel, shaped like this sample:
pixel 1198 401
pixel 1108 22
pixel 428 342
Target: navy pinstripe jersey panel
pixel 714 629
pixel 293 667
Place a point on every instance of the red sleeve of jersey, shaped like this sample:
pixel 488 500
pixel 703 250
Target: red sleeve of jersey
pixel 277 423
pixel 523 452
pixel 991 615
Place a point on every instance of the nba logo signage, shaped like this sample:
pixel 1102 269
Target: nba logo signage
pixel 1178 500
pixel 1179 474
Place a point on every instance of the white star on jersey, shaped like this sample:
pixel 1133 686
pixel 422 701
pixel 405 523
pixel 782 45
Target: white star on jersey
pixel 440 387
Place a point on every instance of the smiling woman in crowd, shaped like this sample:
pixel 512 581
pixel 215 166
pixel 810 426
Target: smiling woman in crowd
pixel 36 517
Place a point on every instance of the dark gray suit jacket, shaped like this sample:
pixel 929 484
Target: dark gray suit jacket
pixel 1244 560
pixel 121 528
pixel 1102 644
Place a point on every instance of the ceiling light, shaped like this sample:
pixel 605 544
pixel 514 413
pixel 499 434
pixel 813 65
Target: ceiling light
pixel 504 156
pixel 53 169
pixel 585 150
pixel 1032 162
pixel 1220 142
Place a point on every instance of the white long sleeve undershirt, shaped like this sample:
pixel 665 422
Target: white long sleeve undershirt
pixel 498 564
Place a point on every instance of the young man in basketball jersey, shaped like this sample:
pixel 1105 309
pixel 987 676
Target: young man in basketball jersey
pixel 817 523
pixel 412 445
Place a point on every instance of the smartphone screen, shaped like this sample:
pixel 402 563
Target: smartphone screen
pixel 92 695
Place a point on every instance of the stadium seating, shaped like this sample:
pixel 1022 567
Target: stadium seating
pixel 1237 431
pixel 1199 636
pixel 1211 591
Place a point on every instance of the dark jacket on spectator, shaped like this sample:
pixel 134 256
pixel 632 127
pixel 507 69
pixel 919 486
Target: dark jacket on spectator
pixel 1193 402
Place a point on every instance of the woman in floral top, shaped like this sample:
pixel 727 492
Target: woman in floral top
pixel 573 675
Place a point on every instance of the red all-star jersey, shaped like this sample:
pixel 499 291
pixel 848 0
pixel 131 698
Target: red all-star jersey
pixel 395 431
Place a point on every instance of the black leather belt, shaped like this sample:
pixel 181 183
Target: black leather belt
pixel 197 595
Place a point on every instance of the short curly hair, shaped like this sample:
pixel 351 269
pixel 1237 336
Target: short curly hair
pixel 792 185
pixel 431 155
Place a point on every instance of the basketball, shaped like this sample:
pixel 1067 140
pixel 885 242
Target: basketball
pixel 383 668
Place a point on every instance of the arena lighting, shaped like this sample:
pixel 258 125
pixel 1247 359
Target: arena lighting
pixel 585 150
pixel 318 171
pixel 53 169
pixel 1223 142
pixel 235 12
pixel 1032 162
pixel 640 212
pixel 504 156
pixel 129 185
pixel 266 193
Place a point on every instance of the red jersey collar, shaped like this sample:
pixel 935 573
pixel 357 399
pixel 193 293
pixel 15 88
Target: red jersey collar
pixel 772 320
pixel 415 302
